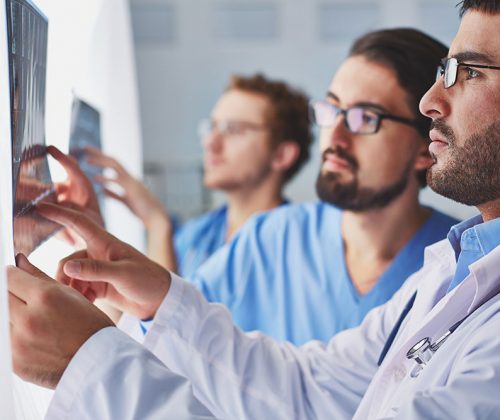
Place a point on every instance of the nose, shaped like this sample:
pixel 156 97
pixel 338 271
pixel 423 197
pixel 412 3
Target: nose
pixel 434 104
pixel 212 141
pixel 336 135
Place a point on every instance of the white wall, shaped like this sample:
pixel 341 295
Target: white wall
pixel 186 50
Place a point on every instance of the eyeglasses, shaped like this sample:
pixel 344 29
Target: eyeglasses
pixel 227 128
pixel 449 69
pixel 357 119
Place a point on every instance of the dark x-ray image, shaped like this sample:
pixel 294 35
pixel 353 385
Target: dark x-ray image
pixel 27 36
pixel 86 131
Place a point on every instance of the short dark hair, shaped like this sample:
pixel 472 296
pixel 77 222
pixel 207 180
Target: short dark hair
pixel 414 57
pixel 289 119
pixel 486 6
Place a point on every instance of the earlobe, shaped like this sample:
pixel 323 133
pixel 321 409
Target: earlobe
pixel 285 155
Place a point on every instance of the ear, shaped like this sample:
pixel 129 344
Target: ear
pixel 285 155
pixel 423 158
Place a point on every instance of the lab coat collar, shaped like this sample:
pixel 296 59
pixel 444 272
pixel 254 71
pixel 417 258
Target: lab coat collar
pixel 435 311
pixel 487 278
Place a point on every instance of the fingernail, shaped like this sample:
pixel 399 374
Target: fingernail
pixel 72 267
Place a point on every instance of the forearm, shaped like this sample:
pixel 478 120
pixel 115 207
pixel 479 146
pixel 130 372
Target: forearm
pixel 160 243
pixel 102 364
pixel 238 375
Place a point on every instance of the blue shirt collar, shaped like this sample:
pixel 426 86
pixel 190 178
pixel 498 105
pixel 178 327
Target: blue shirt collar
pixel 487 234
pixel 471 240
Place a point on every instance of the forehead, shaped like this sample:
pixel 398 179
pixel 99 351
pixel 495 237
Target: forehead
pixel 241 105
pixel 361 81
pixel 478 33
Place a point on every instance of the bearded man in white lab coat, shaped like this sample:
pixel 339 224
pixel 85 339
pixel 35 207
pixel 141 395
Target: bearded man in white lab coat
pixel 433 351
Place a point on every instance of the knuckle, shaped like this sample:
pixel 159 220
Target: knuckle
pixel 31 325
pixel 48 296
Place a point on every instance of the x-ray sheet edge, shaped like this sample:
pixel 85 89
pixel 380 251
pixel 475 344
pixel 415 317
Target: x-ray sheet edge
pixel 6 235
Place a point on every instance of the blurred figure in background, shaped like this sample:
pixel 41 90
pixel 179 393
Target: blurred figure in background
pixel 256 140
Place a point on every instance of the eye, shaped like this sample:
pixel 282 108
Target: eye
pixel 234 129
pixel 369 118
pixel 471 73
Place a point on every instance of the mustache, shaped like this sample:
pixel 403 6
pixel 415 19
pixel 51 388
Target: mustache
pixel 342 154
pixel 444 129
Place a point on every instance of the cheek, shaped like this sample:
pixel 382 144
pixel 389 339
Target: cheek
pixel 473 113
pixel 245 155
pixel 383 161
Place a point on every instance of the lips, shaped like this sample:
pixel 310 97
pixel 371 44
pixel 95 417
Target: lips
pixel 334 159
pixel 436 136
pixel 438 144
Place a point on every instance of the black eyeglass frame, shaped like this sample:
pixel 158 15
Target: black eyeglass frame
pixel 444 68
pixel 380 116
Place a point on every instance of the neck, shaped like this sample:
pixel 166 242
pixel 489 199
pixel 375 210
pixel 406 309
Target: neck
pixel 373 238
pixel 243 203
pixel 491 210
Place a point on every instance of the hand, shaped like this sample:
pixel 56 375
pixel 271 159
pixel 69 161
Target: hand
pixel 109 269
pixel 49 322
pixel 77 191
pixel 134 194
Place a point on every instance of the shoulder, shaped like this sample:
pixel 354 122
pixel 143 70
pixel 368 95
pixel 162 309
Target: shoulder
pixel 290 215
pixel 443 219
pixel 214 218
pixel 437 226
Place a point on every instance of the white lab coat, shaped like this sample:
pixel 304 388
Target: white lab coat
pixel 238 376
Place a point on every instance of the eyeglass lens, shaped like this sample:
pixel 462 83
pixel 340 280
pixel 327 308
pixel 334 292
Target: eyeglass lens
pixel 357 120
pixel 450 72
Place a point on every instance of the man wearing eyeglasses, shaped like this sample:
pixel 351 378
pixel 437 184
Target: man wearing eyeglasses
pixel 432 351
pixel 309 271
pixel 256 140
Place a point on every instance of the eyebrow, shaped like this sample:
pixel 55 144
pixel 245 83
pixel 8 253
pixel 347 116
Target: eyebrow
pixel 473 56
pixel 364 104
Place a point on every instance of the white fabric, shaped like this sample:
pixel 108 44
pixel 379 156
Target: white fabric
pixel 238 376
pixel 112 377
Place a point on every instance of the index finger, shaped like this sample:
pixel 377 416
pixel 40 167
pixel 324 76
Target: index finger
pixel 97 158
pixel 96 238
pixel 68 162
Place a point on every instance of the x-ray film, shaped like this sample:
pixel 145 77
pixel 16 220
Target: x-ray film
pixel 27 38
pixel 86 131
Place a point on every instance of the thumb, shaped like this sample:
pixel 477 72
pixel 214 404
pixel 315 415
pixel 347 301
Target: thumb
pixel 94 270
pixel 23 263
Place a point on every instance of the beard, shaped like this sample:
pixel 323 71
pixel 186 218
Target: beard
pixel 472 174
pixel 352 196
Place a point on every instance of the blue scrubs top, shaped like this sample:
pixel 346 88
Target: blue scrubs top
pixel 198 239
pixel 285 273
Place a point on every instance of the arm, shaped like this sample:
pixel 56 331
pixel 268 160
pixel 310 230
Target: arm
pixel 142 203
pixel 234 375
pixel 132 384
pixel 62 341
pixel 238 375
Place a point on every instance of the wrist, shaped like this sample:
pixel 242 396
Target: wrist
pixel 159 223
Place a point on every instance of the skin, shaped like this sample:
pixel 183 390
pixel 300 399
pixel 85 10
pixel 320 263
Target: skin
pixel 373 237
pixel 42 336
pixel 76 192
pixel 472 104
